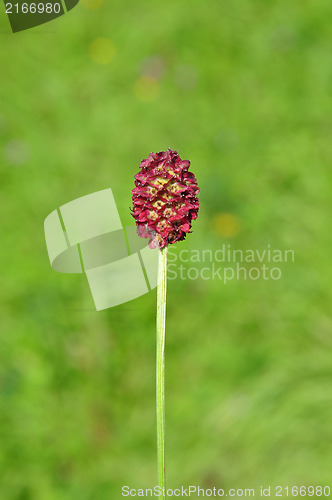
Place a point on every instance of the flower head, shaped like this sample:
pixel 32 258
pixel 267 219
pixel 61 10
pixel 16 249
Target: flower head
pixel 165 199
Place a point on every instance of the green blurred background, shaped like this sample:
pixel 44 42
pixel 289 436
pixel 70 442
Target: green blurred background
pixel 243 90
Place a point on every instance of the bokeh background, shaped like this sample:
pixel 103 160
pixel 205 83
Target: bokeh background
pixel 243 90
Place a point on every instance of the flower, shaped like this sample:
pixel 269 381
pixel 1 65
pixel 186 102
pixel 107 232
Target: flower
pixel 165 199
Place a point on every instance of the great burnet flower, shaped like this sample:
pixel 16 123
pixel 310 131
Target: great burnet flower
pixel 165 198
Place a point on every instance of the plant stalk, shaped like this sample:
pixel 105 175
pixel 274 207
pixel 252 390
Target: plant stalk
pixel 160 366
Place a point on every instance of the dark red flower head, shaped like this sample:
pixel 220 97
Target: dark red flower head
pixel 165 199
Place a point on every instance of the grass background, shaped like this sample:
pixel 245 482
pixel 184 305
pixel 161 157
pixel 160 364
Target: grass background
pixel 243 90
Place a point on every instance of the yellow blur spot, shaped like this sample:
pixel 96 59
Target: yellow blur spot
pixel 102 51
pixel 92 4
pixel 147 89
pixel 226 225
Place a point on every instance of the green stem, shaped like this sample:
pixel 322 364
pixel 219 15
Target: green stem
pixel 160 368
